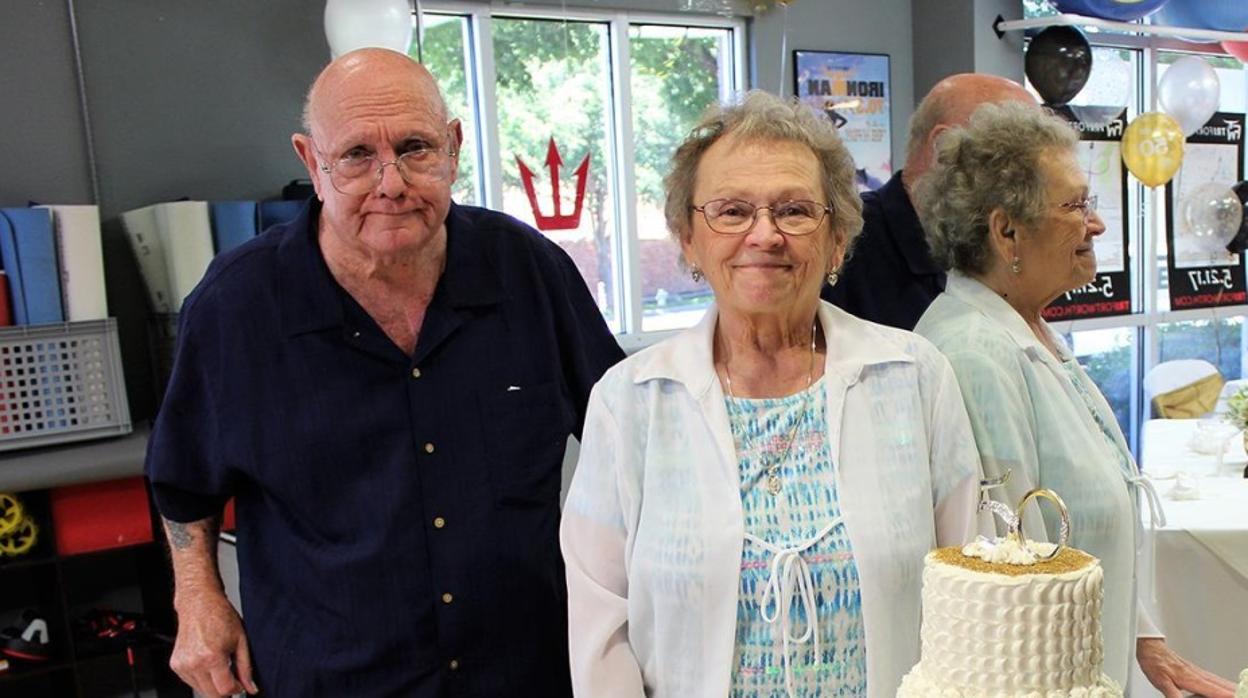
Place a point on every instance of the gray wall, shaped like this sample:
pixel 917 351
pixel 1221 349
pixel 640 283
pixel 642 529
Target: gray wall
pixel 864 26
pixel 956 36
pixel 196 99
pixel 42 142
pixel 186 99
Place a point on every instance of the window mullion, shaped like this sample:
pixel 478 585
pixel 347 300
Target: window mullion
pixel 487 105
pixel 1151 199
pixel 740 81
pixel 628 246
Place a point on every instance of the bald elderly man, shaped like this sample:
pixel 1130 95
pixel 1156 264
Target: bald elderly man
pixel 890 278
pixel 385 385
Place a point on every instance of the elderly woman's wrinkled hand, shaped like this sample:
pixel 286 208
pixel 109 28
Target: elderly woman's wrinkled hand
pixel 1173 675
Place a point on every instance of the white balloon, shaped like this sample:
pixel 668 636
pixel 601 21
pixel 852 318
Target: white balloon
pixel 1189 91
pixel 352 24
pixel 1212 214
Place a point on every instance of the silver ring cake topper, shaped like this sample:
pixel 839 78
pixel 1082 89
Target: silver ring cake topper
pixel 1013 519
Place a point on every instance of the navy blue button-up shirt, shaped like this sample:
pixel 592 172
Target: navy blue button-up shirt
pixel 891 277
pixel 397 516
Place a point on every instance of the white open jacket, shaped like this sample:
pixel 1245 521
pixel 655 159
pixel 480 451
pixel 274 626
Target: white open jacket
pixel 652 529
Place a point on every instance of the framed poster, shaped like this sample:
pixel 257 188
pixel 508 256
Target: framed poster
pixel 1100 157
pixel 853 90
pixel 1202 273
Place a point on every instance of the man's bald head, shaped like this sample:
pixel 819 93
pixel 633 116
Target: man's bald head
pixel 369 68
pixel 369 110
pixel 949 104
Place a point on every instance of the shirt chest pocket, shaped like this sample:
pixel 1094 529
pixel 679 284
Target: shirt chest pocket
pixel 526 431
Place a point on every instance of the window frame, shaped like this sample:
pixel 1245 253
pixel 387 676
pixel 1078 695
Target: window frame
pixel 482 77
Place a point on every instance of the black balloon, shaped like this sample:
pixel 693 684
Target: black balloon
pixel 1058 63
pixel 1240 241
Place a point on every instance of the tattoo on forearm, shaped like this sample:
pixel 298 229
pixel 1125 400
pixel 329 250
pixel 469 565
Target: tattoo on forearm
pixel 179 534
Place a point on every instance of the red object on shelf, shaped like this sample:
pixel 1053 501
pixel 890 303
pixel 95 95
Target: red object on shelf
pixel 6 314
pixel 227 521
pixel 101 515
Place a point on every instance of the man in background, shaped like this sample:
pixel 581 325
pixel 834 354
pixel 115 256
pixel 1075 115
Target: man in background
pixel 890 277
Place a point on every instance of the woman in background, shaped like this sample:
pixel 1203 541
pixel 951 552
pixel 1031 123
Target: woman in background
pixel 1007 211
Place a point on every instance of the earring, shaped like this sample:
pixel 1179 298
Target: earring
pixel 833 277
pixel 696 274
pixel 1016 266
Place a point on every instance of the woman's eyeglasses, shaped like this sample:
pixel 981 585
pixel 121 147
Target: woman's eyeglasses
pixel 736 217
pixel 1086 206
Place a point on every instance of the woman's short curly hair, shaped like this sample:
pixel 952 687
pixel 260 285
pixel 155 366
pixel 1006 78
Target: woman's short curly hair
pixel 759 116
pixel 991 163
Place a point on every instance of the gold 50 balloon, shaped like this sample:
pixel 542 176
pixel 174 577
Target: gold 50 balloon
pixel 1152 148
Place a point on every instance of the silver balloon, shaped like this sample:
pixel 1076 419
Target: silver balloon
pixel 1212 214
pixel 1189 91
pixel 1110 84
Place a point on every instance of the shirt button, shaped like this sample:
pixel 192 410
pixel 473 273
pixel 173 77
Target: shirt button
pixel 415 373
pixel 454 664
pixel 439 522
pixel 429 447
pixel 447 598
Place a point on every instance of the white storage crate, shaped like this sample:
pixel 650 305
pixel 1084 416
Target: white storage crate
pixel 61 383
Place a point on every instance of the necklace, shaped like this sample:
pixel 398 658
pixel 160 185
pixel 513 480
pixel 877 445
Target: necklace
pixel 774 483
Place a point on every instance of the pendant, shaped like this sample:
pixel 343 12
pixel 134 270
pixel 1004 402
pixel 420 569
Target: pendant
pixel 773 483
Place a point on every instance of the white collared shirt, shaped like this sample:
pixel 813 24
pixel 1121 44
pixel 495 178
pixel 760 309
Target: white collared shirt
pixel 653 529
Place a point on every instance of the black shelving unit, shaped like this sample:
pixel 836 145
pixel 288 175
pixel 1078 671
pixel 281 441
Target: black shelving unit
pixel 63 589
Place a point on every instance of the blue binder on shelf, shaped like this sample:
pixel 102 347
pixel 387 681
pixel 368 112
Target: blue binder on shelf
pixel 233 223
pixel 28 252
pixel 280 211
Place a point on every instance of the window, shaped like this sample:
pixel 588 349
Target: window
pixel 1231 76
pixel 1218 341
pixel 446 54
pixel 616 91
pixel 677 72
pixel 1109 357
pixel 553 86
pixel 1117 351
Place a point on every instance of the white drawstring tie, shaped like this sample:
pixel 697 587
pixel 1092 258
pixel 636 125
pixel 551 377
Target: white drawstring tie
pixel 1142 483
pixel 790 577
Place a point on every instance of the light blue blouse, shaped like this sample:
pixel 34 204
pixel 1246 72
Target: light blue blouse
pixel 788 534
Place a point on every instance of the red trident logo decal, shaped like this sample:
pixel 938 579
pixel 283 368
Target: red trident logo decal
pixel 558 220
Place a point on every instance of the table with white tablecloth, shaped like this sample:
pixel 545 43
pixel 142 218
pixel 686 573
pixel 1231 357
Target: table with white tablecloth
pixel 1200 593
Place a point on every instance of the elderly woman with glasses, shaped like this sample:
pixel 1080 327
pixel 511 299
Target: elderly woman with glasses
pixel 1007 211
pixel 755 496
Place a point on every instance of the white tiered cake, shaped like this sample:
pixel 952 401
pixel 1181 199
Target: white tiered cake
pixel 991 628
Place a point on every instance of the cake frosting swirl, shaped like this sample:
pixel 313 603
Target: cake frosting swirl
pixel 1009 550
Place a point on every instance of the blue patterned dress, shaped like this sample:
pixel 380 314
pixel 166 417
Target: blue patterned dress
pixel 796 548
